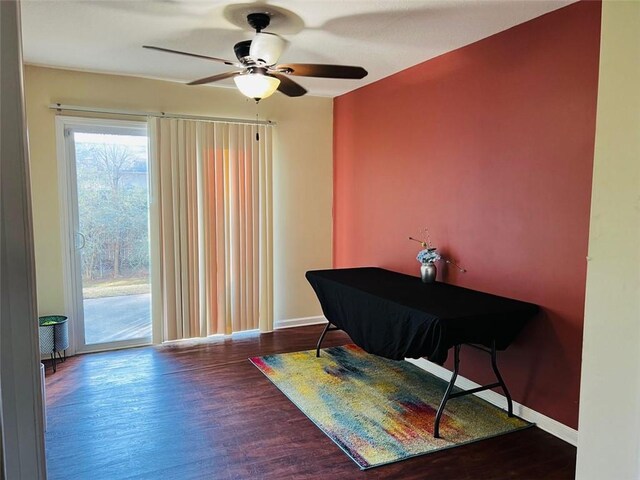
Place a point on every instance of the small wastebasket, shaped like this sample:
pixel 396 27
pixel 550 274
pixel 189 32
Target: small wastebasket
pixel 54 336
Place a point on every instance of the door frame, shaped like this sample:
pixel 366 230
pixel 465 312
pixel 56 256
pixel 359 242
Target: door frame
pixel 71 271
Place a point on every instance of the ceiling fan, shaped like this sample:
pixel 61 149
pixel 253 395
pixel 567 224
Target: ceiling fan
pixel 260 76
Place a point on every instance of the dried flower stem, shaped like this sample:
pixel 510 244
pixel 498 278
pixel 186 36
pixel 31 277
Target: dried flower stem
pixel 426 234
pixel 421 242
pixel 456 265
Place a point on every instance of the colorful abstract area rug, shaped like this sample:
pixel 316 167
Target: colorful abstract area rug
pixel 377 410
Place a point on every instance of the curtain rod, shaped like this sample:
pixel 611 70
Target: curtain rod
pixel 110 111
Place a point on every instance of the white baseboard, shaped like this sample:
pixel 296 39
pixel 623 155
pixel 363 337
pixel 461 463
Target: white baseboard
pixel 299 322
pixel 547 424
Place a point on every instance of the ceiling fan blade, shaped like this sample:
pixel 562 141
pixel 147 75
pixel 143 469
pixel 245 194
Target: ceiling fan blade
pixel 168 50
pixel 267 47
pixel 288 86
pixel 214 78
pixel 323 71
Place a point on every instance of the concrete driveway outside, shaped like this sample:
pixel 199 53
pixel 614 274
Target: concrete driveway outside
pixel 123 317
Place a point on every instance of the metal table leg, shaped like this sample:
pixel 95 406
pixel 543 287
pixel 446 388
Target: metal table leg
pixel 494 365
pixel 447 393
pixel 324 332
pixel 456 367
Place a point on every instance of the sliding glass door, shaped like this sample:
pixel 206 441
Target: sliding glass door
pixel 107 175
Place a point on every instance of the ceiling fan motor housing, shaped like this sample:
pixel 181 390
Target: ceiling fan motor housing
pixel 241 49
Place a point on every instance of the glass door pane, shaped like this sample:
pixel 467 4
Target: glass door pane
pixel 111 170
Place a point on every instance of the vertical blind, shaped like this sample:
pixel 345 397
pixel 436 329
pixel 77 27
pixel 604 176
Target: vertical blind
pixel 211 220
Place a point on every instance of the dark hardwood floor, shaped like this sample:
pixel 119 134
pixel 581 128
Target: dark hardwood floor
pixel 200 410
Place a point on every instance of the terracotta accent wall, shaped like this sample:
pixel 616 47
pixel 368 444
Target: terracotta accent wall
pixel 491 147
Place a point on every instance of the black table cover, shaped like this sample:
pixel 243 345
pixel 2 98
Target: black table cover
pixel 397 316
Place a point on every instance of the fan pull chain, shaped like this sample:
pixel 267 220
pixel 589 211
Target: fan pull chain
pixel 257 124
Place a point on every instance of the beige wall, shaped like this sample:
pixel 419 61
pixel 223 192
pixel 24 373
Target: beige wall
pixel 303 169
pixel 609 426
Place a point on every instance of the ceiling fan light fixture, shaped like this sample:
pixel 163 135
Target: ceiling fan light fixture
pixel 267 47
pixel 256 85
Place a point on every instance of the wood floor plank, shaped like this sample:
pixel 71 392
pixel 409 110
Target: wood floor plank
pixel 201 410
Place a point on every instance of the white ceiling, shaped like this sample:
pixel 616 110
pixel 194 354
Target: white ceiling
pixel 382 36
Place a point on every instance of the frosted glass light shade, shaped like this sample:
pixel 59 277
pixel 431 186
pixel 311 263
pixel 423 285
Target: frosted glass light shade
pixel 256 85
pixel 267 47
